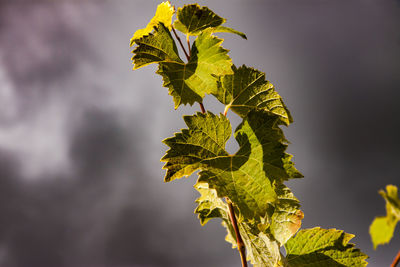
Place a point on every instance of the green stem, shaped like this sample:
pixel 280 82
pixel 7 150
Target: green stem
pixel 396 260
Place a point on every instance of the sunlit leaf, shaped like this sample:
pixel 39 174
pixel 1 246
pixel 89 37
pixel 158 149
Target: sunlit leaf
pixel 163 15
pixel 261 249
pixel 246 89
pixel 229 30
pixel 248 177
pixel 318 247
pixel 287 216
pixel 382 228
pixel 187 82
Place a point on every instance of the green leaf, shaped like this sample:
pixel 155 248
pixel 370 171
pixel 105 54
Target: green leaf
pixel 187 82
pixel 262 240
pixel 287 216
pixel 163 14
pixel 209 204
pixel 248 177
pixel 155 48
pixel 246 89
pixel 229 30
pixel 193 19
pixel 382 228
pixel 283 218
pixel 261 248
pixel 323 247
pixel 205 139
pixel 392 201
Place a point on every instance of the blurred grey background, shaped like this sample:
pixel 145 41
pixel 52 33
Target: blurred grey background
pixel 80 132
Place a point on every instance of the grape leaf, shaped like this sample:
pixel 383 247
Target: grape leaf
pixel 261 240
pixel 283 218
pixel 155 48
pixel 261 248
pixel 392 200
pixel 323 247
pixel 248 177
pixel 193 19
pixel 229 30
pixel 247 89
pixel 207 60
pixel 163 14
pixel 287 216
pixel 209 204
pixel 261 245
pixel 382 228
pixel 187 82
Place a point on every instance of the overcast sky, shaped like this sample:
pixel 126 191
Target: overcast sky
pixel 80 132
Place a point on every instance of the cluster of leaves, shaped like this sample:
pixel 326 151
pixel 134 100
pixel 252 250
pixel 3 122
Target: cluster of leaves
pixel 382 228
pixel 268 214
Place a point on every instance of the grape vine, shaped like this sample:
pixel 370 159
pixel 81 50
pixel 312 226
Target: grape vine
pixel 245 190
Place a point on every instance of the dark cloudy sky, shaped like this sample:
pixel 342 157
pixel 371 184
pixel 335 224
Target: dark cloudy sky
pixel 81 183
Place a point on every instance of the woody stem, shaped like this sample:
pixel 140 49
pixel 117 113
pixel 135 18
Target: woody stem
pixel 180 42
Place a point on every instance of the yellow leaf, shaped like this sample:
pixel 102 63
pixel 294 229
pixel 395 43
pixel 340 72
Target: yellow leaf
pixel 163 14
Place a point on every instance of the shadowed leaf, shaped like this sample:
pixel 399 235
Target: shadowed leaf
pixel 155 48
pixel 193 19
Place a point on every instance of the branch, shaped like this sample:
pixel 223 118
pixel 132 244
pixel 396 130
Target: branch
pixel 232 217
pixel 396 260
pixel 203 110
pixel 239 240
pixel 180 42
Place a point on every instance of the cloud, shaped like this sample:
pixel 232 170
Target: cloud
pixel 41 46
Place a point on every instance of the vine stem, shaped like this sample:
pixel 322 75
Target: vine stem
pixel 239 240
pixel 240 244
pixel 396 260
pixel 180 42
pixel 203 110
